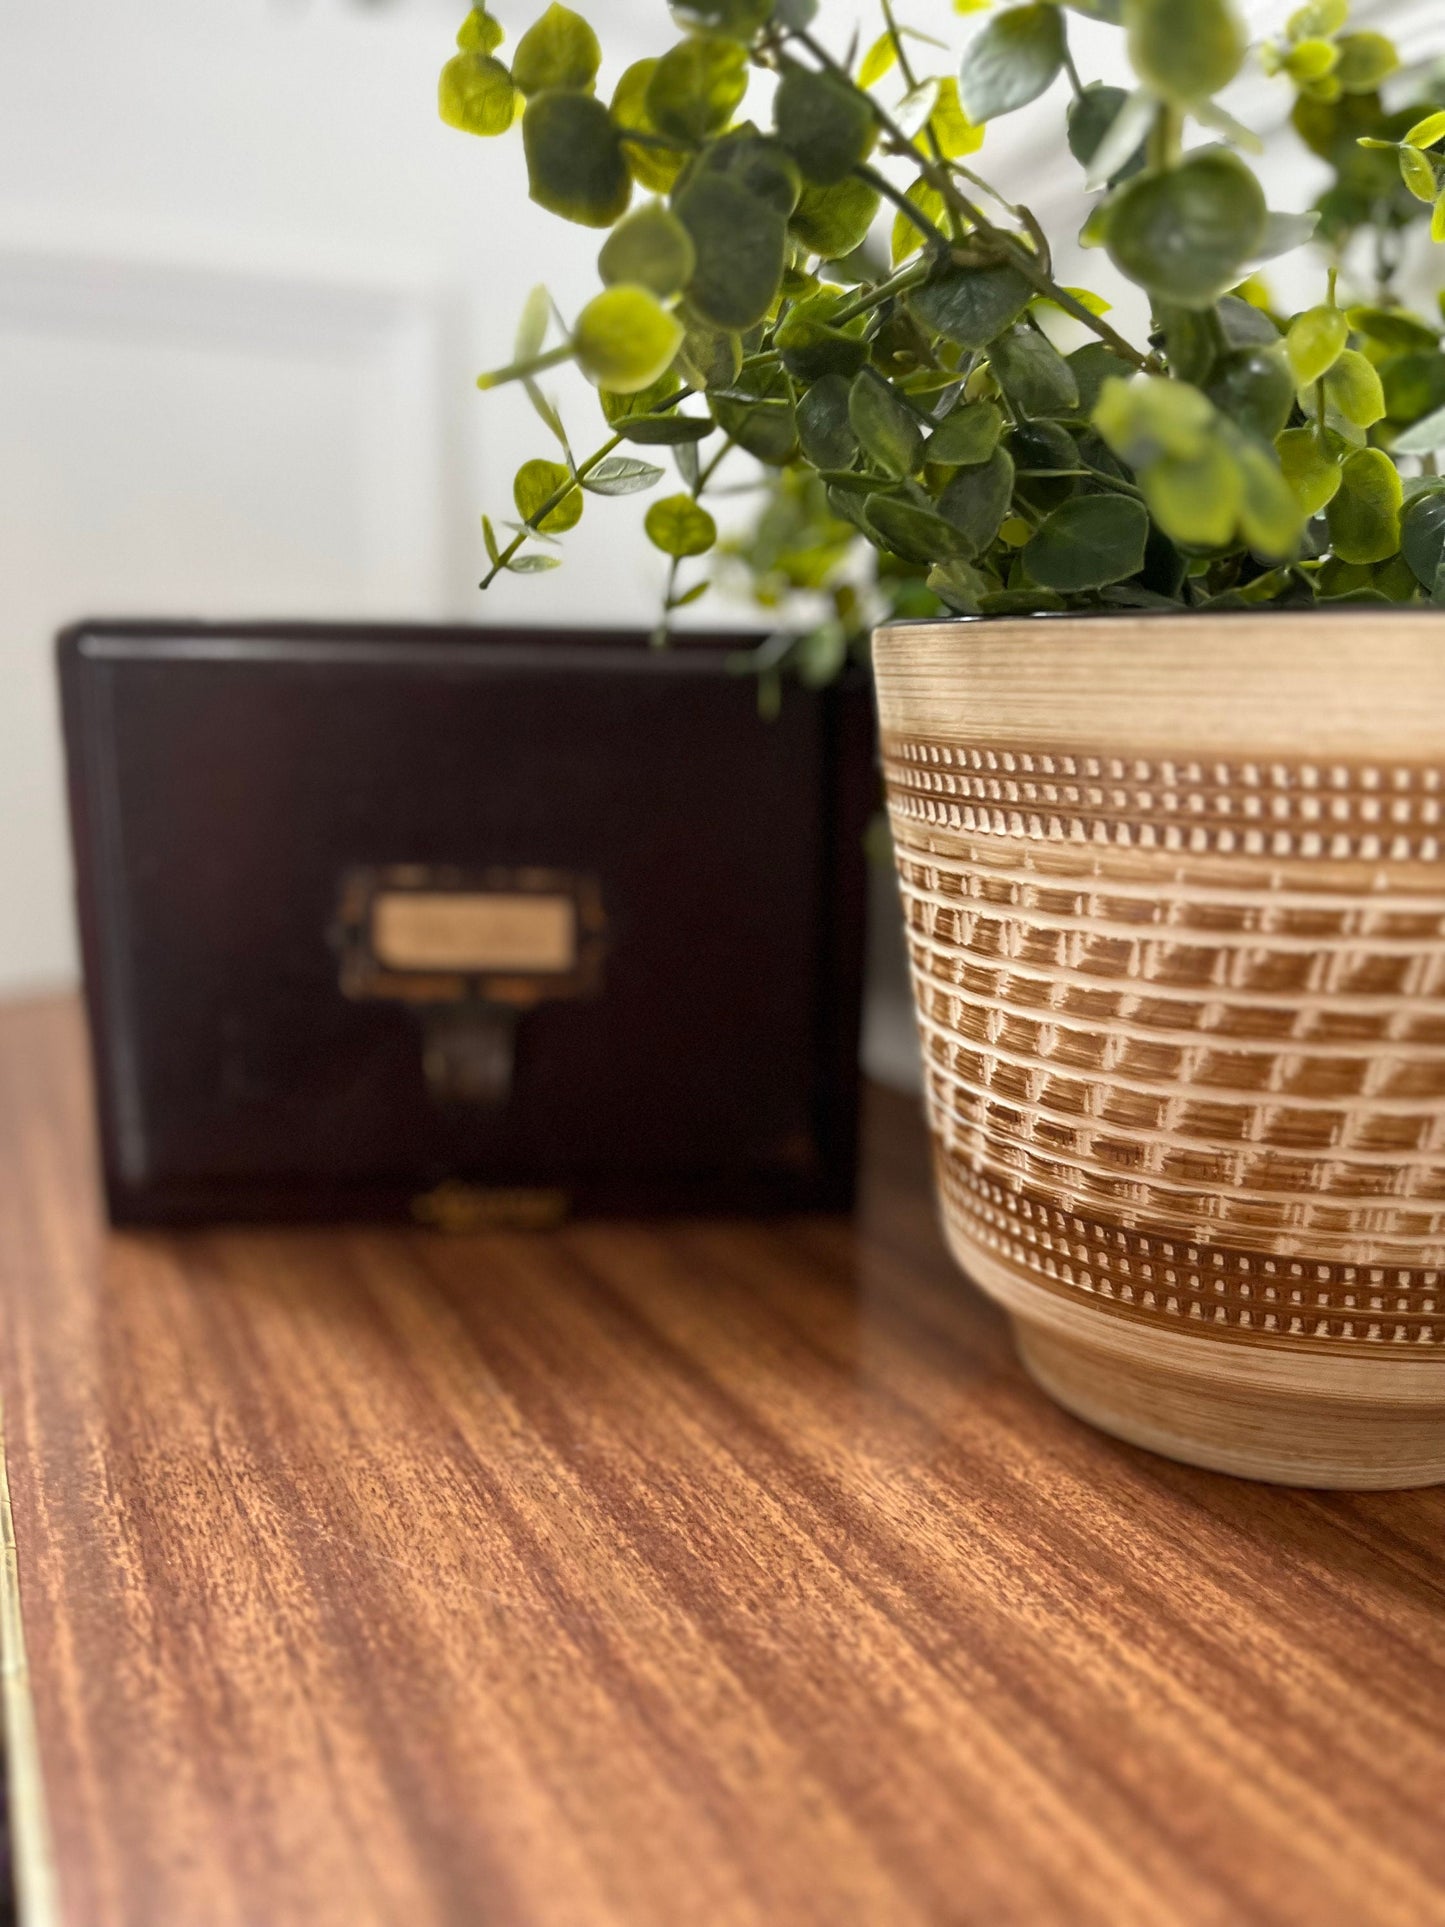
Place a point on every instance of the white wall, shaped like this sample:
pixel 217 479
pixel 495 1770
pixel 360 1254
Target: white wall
pixel 246 279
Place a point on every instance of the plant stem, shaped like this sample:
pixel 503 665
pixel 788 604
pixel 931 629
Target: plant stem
pixel 880 183
pixel 524 370
pixel 906 277
pixel 557 497
pixel 1073 73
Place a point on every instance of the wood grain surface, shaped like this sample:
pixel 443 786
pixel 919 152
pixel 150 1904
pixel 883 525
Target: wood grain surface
pixel 647 1574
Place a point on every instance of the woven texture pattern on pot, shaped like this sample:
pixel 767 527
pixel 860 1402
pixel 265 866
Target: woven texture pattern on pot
pixel 1183 1029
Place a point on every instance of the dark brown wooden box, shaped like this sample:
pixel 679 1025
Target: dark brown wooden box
pixel 466 926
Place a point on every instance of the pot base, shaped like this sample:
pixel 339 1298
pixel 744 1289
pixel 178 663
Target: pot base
pixel 1282 1435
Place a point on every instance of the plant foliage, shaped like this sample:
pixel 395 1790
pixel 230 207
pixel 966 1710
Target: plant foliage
pixel 830 286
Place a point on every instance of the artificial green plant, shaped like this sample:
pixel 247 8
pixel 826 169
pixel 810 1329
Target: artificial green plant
pixel 827 282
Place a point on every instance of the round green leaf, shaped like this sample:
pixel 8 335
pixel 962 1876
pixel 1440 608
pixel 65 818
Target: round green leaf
pixel 575 166
pixel 1042 449
pixel 812 347
pixel 1032 373
pixel 758 163
pixel 966 437
pixel 739 244
pixel 977 500
pixel 1365 59
pixel 767 429
pixel 1195 499
pixel 680 527
pixel 825 428
pixel 626 340
pixel 910 529
pixel 832 221
pixel 653 168
pixel 1422 536
pixel 697 87
pixel 1310 468
pixel 1353 388
pixel 711 357
pixel 1185 52
pixel 1364 516
pixel 1413 385
pixel 971 306
pixel 1019 54
pixel 1269 515
pixel 479 33
pixel 1185 233
pixel 1091 116
pixel 536 484
pixel 476 94
pixel 1087 542
pixel 826 125
pixel 651 249
pixel 1314 343
pixel 1254 388
pixel 885 425
pixel 1148 418
pixel 561 50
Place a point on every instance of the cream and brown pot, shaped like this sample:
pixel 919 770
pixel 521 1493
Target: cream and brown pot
pixel 1174 889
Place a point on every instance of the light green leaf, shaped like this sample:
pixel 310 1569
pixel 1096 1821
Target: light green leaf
pixel 1185 233
pixel 651 249
pixel 827 126
pixel 1353 388
pixel 1310 468
pixel 1087 542
pixel 950 126
pixel 1148 418
pixel 479 33
pixel 880 60
pixel 534 564
pixel 741 19
pixel 561 50
pixel 908 235
pixel 1315 341
pixel 489 536
pixel 885 425
pixel 575 166
pixel 1195 499
pixel 652 168
pixel 1364 516
pixel 535 485
pixel 626 340
pixel 619 475
pixel 697 87
pixel 1365 59
pixel 544 409
pixel 1269 514
pixel 1426 132
pixel 680 527
pixel 1017 56
pixel 476 95
pixel 1320 17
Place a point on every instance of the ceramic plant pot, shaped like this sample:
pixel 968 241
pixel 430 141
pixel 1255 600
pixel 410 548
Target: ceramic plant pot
pixel 1174 890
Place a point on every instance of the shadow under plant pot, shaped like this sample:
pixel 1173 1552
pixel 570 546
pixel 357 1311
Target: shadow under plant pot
pixel 1175 901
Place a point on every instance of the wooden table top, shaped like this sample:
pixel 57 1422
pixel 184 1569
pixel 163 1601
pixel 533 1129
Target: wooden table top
pixel 633 1574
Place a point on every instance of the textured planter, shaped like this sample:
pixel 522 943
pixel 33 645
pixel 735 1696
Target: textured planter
pixel 1175 900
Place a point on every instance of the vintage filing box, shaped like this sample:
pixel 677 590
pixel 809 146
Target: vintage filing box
pixel 463 926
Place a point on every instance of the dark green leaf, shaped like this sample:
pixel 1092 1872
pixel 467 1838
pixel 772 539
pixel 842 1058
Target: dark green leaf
pixel 971 306
pixel 1255 388
pixel 476 95
pixel 665 431
pixel 1422 535
pixel 1019 54
pixel 1244 325
pixel 1091 115
pixel 1042 448
pixel 561 50
pixel 1093 365
pixel 966 437
pixel 826 125
pixel 832 221
pixel 1088 541
pixel 1186 232
pixel 812 347
pixel 825 431
pixel 740 243
pixel 911 530
pixel 575 166
pixel 760 164
pixel 886 426
pixel 1414 385
pixel 977 500
pixel 697 87
pixel 1032 373
pixel 766 429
